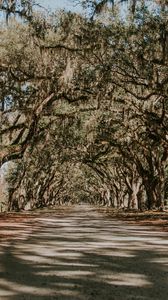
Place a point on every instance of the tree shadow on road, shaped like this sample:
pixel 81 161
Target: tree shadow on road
pixel 57 263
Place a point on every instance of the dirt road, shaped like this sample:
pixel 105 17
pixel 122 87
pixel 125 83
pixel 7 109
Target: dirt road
pixel 82 255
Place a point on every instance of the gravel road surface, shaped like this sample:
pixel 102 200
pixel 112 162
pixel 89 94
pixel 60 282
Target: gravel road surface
pixel 80 254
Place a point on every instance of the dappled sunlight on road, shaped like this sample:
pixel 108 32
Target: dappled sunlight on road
pixel 127 279
pixel 82 255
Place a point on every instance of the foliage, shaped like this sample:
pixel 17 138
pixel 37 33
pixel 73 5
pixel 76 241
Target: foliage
pixel 84 109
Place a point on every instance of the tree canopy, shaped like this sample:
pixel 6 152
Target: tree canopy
pixel 84 105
